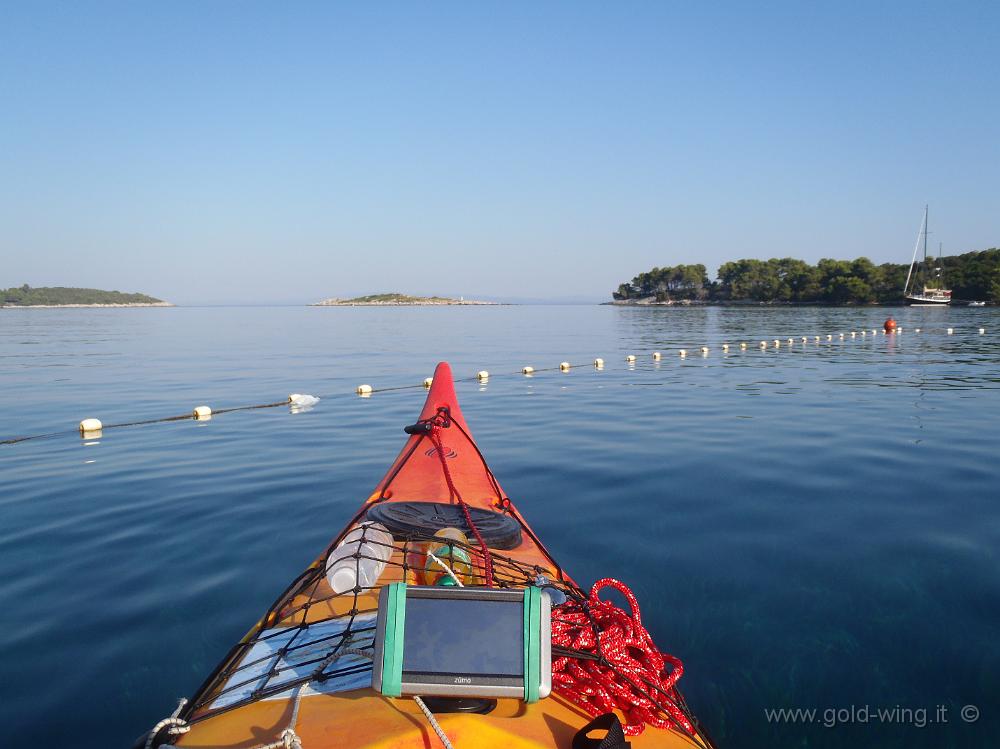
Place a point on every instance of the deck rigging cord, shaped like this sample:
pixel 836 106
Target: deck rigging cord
pixel 433 721
pixel 174 725
pixel 448 570
pixel 443 421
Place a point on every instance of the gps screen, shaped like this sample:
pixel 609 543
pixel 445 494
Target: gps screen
pixel 456 636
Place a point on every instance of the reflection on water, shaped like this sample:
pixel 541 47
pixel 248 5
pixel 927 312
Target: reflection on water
pixel 807 526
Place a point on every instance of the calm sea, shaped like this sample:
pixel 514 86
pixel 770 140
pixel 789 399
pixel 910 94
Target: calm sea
pixel 814 527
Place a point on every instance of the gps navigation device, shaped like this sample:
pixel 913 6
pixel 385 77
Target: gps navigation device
pixel 463 642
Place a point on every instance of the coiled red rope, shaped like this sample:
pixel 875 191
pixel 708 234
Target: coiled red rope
pixel 627 671
pixel 435 435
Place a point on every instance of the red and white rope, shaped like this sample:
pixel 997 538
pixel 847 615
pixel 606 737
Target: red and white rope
pixel 630 673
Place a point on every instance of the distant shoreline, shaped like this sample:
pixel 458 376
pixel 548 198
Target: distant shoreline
pixel 53 297
pixel 405 304
pixel 63 306
pixel 968 277
pixel 736 303
pixel 395 299
pixel 750 303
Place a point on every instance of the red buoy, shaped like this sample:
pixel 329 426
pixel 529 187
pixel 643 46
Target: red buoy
pixel 889 326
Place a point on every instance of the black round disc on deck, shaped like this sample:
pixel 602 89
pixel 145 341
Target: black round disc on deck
pixel 409 519
pixel 474 705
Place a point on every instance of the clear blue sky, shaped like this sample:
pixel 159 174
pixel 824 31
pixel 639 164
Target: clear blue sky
pixel 283 152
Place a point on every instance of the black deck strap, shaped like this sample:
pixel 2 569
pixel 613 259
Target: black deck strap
pixel 614 738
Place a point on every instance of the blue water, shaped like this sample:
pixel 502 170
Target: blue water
pixel 813 527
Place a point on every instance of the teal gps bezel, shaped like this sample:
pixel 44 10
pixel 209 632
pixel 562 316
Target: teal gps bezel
pixel 390 680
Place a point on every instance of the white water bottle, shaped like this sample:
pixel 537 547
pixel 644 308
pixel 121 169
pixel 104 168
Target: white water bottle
pixel 360 558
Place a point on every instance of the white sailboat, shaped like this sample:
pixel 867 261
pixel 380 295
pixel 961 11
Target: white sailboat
pixel 931 295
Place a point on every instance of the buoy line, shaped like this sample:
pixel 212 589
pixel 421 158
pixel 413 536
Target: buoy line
pixel 92 428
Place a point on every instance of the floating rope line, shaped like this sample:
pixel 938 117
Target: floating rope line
pixel 396 387
pixel 144 422
pixel 729 348
pixel 15 440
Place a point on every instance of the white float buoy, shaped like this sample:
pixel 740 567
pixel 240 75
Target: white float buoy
pixel 777 343
pixel 804 339
pixel 874 332
pixel 853 333
pixel 527 370
pixel 202 412
pixel 743 346
pixel 482 374
pixel 829 337
pixel 763 344
pixel 299 403
pixel 599 363
pixel 364 390
pixel 816 339
pixel 630 358
pixel 725 348
pixel 950 331
pixel 90 425
pixel 656 356
pixel 916 330
pixel 841 336
pixel 683 352
pixel 982 331
pixel 564 366
pixel 428 381
pixel 864 333
pixel 704 349
pixel 791 341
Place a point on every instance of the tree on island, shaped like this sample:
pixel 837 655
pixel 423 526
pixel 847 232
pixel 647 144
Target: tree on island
pixel 26 296
pixel 973 275
pixel 677 282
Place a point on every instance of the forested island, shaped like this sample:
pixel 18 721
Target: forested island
pixel 971 276
pixel 394 300
pixel 65 296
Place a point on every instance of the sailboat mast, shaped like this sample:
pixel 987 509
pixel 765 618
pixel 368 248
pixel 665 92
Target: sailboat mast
pixel 916 248
pixel 925 233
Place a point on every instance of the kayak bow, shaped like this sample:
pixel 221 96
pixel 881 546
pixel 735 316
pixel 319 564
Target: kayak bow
pixel 302 671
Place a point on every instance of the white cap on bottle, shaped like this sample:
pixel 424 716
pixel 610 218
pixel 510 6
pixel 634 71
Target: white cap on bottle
pixel 343 578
